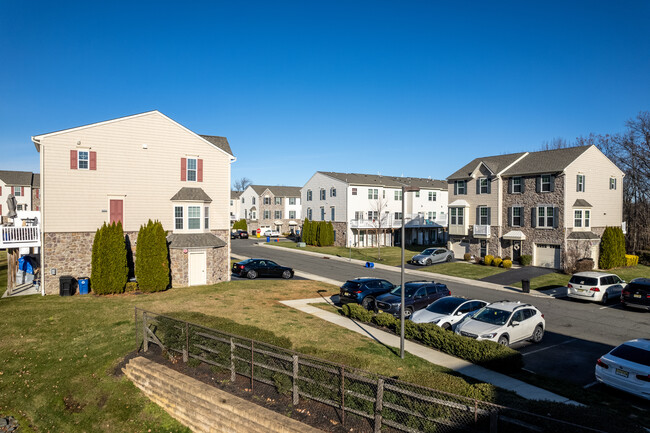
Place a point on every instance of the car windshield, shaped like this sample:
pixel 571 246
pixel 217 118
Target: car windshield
pixel 638 286
pixel 587 281
pixel 445 305
pixel 351 285
pixel 245 262
pixel 428 251
pixel 409 291
pixel 493 316
pixel 632 354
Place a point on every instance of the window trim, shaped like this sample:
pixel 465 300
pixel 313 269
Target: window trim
pixel 542 183
pixel 292 214
pixel 520 216
pixel 332 213
pixel 584 218
pixel 196 219
pixel 373 193
pixel 461 184
pixel 322 194
pixel 398 195
pixel 179 218
pixel 86 161
pixel 206 217
pixel 486 216
pixel 433 196
pixel 521 182
pixel 545 217
pixel 309 195
pixel 354 191
pixel 580 183
pixel 612 183
pixel 195 170
pixel 483 182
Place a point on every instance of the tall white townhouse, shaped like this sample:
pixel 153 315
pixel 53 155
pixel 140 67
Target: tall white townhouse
pixel 366 209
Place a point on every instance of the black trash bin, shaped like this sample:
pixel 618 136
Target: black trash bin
pixel 525 286
pixel 66 285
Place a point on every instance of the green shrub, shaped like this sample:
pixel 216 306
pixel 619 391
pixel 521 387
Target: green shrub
pixel 109 258
pixel 507 258
pixel 384 319
pixel 131 286
pixel 497 261
pixel 584 265
pixel 467 257
pixel 644 257
pixel 612 248
pixel 487 260
pixel 525 259
pixel 631 260
pixel 240 225
pixel 356 311
pixel 152 258
pixel 507 264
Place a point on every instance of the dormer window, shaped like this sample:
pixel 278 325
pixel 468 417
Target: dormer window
pixel 484 185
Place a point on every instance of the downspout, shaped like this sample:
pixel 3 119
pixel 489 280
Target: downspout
pixel 41 150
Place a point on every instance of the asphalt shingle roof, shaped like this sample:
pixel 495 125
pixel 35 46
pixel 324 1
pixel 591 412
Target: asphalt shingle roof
pixel 583 236
pixel 582 203
pixel 278 191
pixel 17 178
pixel 220 142
pixel 386 181
pixel 235 194
pixel 494 163
pixel 36 180
pixel 191 194
pixel 194 240
pixel 546 161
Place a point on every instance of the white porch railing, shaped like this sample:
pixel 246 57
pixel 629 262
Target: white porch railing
pixel 389 221
pixel 481 230
pixel 15 237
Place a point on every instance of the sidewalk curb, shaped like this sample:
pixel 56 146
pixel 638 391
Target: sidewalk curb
pixel 427 275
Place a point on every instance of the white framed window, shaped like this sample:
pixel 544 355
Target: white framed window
pixel 322 194
pixel 461 187
pixel 267 214
pixel 278 200
pixel 577 218
pixel 309 214
pixel 612 183
pixel 483 185
pixel 545 215
pixel 277 214
pixel 484 215
pixel 358 215
pixel 191 169
pixel 433 196
pixel 398 195
pixel 253 215
pixel 517 218
pixel 322 213
pixel 232 202
pixel 309 195
pixel 292 214
pixel 267 200
pixel 456 216
pixel 354 191
pixel 581 218
pixel 193 217
pixel 253 200
pixel 206 217
pixel 372 215
pixel 373 193
pixel 580 183
pixel 517 185
pixel 398 215
pixel 292 200
pixel 82 160
pixel 332 213
pixel 332 192
pixel 18 191
pixel 545 183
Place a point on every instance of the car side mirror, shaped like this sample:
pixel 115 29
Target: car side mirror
pixel 459 313
pixel 514 323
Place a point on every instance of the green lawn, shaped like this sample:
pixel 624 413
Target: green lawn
pixel 550 281
pixel 391 256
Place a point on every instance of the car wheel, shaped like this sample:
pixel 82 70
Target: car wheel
pixel 368 303
pixel 446 326
pixel 503 340
pixel 429 262
pixel 605 298
pixel 449 259
pixel 286 274
pixel 251 274
pixel 537 334
pixel 408 311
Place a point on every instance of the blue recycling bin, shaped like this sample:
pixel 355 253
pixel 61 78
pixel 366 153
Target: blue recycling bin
pixel 83 285
pixel 268 239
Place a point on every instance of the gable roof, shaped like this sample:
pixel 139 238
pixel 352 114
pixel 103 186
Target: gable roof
pixel 278 191
pixel 17 178
pixel 235 194
pixel 36 180
pixel 191 194
pixel 386 181
pixel 546 161
pixel 220 142
pixel 494 163
pixel 194 240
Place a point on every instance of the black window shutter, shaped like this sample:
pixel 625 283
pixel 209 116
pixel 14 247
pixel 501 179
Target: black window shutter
pixel 510 217
pixel 478 186
pixel 478 215
pixel 552 183
pixel 577 183
pixel 455 187
pixel 489 219
pixel 538 183
pixel 522 216
pixel 556 217
pixel 533 217
pixel 522 186
pixel 510 185
pixel 489 186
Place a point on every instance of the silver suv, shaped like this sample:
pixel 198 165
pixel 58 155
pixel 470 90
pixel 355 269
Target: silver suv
pixel 505 322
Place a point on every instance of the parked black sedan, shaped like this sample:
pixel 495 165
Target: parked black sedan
pixel 253 268
pixel 637 294
pixel 239 234
pixel 417 295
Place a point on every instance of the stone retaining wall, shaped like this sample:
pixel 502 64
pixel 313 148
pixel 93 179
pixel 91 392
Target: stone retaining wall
pixel 204 408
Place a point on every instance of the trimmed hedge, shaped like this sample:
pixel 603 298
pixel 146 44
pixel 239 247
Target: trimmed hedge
pixel 497 261
pixel 525 259
pixel 507 264
pixel 487 260
pixel 467 257
pixel 109 270
pixel 631 260
pixel 152 258
pixel 485 353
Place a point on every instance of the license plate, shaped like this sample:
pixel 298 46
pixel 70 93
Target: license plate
pixel 637 295
pixel 581 290
pixel 622 372
pixel 347 294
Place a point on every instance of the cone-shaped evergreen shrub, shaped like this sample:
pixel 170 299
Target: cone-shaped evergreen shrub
pixel 110 270
pixel 152 258
pixel 240 225
pixel 95 262
pixel 305 231
pixel 612 248
pixel 330 234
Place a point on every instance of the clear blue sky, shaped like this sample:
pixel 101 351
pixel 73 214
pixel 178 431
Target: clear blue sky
pixel 402 87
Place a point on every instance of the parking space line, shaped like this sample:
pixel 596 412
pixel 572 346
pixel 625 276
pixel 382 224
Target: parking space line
pixel 595 382
pixel 550 347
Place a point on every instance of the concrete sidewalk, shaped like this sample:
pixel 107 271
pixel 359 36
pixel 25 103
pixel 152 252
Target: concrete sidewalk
pixel 459 365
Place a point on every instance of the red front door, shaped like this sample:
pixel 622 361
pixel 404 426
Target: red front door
pixel 116 213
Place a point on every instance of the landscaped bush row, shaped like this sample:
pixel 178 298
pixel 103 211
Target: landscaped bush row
pixel 319 233
pixel 485 353
pixel 631 260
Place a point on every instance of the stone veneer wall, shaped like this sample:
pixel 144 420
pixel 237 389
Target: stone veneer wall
pixel 341 230
pixel 204 408
pixel 36 201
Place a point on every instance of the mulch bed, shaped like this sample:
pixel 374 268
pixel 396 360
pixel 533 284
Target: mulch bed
pixel 313 413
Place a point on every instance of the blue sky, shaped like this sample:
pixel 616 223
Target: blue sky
pixel 404 87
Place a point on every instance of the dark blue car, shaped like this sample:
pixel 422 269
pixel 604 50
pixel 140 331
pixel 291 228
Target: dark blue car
pixel 417 295
pixel 364 291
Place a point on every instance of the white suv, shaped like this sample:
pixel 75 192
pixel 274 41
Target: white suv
pixel 504 322
pixel 595 286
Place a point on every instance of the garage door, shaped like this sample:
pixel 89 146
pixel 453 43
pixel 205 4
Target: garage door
pixel 459 249
pixel 547 256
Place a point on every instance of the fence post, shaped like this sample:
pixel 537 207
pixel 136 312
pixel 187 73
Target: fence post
pixel 379 404
pixel 145 337
pixel 343 395
pixel 135 316
pixel 232 361
pixel 295 380
pixel 186 350
pixel 252 362
pixel 494 421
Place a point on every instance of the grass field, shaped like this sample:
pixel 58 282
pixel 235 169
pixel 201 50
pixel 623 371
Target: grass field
pixel 391 256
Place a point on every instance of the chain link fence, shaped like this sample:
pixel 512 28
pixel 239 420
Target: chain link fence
pixel 369 401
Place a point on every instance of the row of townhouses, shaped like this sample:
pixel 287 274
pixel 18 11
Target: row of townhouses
pixel 553 205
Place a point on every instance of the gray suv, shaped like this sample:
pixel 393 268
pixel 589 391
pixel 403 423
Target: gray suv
pixel 364 291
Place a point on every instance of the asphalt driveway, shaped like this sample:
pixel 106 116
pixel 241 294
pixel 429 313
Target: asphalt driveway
pixel 516 275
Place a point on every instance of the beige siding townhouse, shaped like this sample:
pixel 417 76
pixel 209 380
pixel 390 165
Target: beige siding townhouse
pixel 132 169
pixel 553 205
pixel 271 207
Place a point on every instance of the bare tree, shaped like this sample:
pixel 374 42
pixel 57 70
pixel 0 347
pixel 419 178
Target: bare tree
pixel 379 219
pixel 556 143
pixel 241 184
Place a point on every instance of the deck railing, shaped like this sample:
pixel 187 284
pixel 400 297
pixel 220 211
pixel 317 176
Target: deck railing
pixel 19 236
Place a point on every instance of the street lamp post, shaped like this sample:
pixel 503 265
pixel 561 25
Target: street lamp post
pixel 403 241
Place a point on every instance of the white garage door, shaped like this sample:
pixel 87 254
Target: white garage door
pixel 459 249
pixel 547 256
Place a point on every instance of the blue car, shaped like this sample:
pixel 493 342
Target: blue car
pixel 417 295
pixel 364 291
